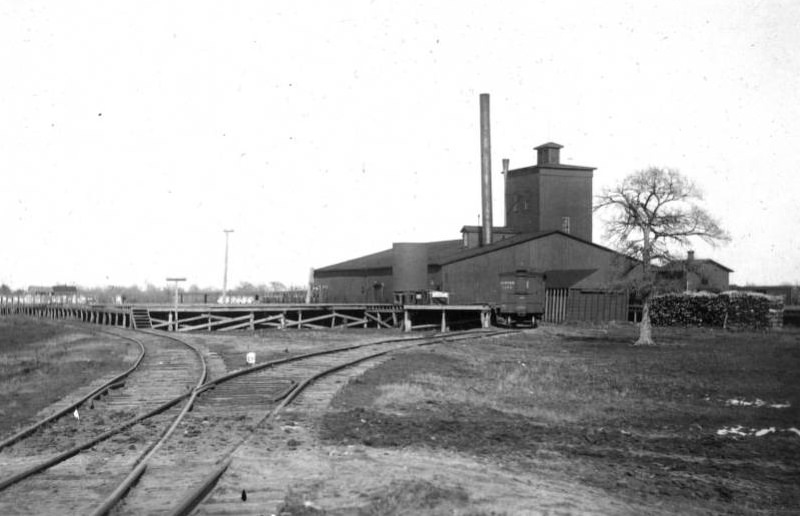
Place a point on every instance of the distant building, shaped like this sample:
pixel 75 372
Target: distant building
pixel 694 274
pixel 789 293
pixel 54 294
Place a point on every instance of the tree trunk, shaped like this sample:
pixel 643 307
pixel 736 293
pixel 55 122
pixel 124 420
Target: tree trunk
pixel 645 333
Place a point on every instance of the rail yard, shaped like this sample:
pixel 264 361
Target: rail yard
pixel 158 437
pixel 378 421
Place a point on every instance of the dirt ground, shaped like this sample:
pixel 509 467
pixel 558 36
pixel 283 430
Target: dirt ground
pixel 558 420
pixel 42 360
pixel 645 433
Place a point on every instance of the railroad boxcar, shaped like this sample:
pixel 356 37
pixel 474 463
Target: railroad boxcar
pixel 521 298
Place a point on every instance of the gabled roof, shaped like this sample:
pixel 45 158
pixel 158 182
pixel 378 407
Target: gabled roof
pixel 445 252
pixel 675 263
pixel 385 259
pixel 512 241
pixel 495 229
pixel 566 278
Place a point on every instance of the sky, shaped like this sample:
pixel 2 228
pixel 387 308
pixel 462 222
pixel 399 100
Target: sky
pixel 133 133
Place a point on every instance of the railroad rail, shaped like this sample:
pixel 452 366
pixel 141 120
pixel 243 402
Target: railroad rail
pixel 112 384
pixel 133 417
pixel 243 400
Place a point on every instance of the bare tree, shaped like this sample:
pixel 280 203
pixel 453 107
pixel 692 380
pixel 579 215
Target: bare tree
pixel 651 212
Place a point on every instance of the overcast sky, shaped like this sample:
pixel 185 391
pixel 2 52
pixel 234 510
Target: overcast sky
pixel 133 133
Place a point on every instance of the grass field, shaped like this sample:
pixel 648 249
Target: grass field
pixel 41 361
pixel 642 424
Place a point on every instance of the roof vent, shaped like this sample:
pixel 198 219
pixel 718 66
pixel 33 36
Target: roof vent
pixel 548 154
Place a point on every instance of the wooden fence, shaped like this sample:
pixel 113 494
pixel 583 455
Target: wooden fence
pixel 563 304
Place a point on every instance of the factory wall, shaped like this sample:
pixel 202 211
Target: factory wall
pixel 477 279
pixel 538 199
pixel 364 286
pixel 522 194
pixel 566 193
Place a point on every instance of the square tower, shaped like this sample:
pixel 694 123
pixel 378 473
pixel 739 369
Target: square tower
pixel 550 196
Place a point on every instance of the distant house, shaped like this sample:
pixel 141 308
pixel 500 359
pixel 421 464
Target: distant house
pixel 64 290
pixel 789 293
pixel 55 294
pixel 694 274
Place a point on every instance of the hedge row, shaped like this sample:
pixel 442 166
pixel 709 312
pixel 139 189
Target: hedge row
pixel 729 310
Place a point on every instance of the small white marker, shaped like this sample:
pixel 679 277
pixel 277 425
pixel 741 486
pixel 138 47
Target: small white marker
pixel 251 358
pixel 76 415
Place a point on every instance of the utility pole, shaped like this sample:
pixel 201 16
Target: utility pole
pixel 225 276
pixel 175 281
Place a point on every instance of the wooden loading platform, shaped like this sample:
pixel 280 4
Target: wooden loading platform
pixel 215 317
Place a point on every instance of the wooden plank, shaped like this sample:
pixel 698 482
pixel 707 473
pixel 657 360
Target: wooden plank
pixel 245 324
pixel 376 319
pixel 193 319
pixel 161 323
pixel 351 318
pixel 314 326
pixel 425 327
pixel 268 319
pixel 219 322
pixel 301 322
pixel 351 324
pixel 206 325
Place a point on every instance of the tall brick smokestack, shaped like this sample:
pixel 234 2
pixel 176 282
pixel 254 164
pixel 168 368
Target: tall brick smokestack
pixel 486 172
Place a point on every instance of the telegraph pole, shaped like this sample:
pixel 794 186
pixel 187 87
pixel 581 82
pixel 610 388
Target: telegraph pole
pixel 225 276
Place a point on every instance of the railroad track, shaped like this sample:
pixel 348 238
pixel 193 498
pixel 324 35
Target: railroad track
pixel 66 464
pixel 231 411
pixel 194 451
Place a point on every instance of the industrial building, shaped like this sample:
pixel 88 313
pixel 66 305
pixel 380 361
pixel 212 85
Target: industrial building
pixel 548 232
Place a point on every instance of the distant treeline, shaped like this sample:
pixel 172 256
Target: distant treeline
pixel 161 294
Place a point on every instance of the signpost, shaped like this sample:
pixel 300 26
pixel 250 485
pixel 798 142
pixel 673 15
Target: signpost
pixel 174 326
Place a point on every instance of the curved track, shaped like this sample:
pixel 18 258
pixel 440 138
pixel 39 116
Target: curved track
pixel 225 414
pixel 70 406
pixel 67 465
pixel 230 412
